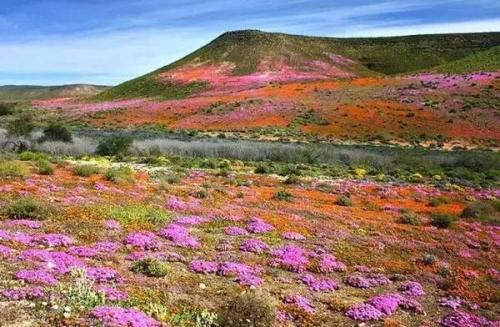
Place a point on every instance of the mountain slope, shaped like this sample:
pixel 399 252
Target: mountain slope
pixel 32 92
pixel 268 57
pixel 488 60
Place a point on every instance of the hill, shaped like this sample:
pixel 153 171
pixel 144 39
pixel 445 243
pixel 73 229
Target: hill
pixel 488 60
pixel 246 58
pixel 32 92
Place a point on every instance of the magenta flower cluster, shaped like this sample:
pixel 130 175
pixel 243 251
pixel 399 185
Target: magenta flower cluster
pixel 179 235
pixel 38 276
pixel 366 281
pixel 120 317
pixel 258 226
pixel 301 303
pixel 319 284
pixel 464 319
pixel 290 257
pixel 143 240
pixel 293 236
pixel 24 293
pixel 235 231
pixel 254 245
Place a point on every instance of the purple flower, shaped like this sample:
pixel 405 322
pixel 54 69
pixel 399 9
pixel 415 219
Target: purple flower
pixel 112 224
pixel 191 220
pixel 387 304
pixel 370 280
pixel 54 240
pixel 83 251
pixel 254 245
pixel 111 294
pixel 293 236
pixel 450 302
pixel 102 275
pixel 364 312
pixel 24 293
pixel 59 262
pixel 327 263
pixel 258 226
pixel 412 288
pixel 106 247
pixel 5 252
pixel 33 224
pixel 179 235
pixel 249 280
pixel 290 257
pixel 143 240
pixel 203 267
pixel 464 319
pixel 120 317
pixel 319 285
pixel 39 276
pixel 236 268
pixel 235 231
pixel 301 303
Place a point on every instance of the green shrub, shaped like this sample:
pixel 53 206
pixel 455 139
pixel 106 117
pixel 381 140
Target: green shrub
pixel 261 169
pixel 10 168
pixel 26 208
pixel 442 220
pixel 44 167
pixel 250 309
pixel 283 195
pixel 114 145
pixel 344 201
pixel 120 175
pixel 33 156
pixel 410 218
pixel 485 210
pixel 85 170
pixel 21 126
pixel 7 108
pixel 440 200
pixel 151 267
pixel 138 213
pixel 56 132
pixel 200 193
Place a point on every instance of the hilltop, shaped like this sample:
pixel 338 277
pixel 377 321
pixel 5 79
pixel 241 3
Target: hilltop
pixel 268 57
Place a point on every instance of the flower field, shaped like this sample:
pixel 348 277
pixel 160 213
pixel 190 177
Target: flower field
pixel 458 109
pixel 181 246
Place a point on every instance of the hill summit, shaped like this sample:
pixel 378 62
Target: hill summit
pixel 247 58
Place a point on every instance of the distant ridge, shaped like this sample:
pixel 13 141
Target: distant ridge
pixel 33 92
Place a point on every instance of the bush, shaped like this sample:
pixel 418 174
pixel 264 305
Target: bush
pixel 114 145
pixel 251 309
pixel 428 259
pixel 410 218
pixel 261 169
pixel 138 213
pixel 151 267
pixel 33 156
pixel 7 108
pixel 85 170
pixel 56 132
pixel 485 210
pixel 26 208
pixel 9 168
pixel 21 126
pixel 344 201
pixel 292 180
pixel 120 175
pixel 44 167
pixel 283 195
pixel 442 220
pixel 436 202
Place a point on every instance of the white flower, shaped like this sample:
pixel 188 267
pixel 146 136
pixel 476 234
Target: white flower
pixel 67 309
pixel 66 315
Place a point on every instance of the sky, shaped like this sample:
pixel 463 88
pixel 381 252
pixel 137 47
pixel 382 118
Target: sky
pixel 53 42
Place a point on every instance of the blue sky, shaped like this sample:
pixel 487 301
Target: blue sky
pixel 50 42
